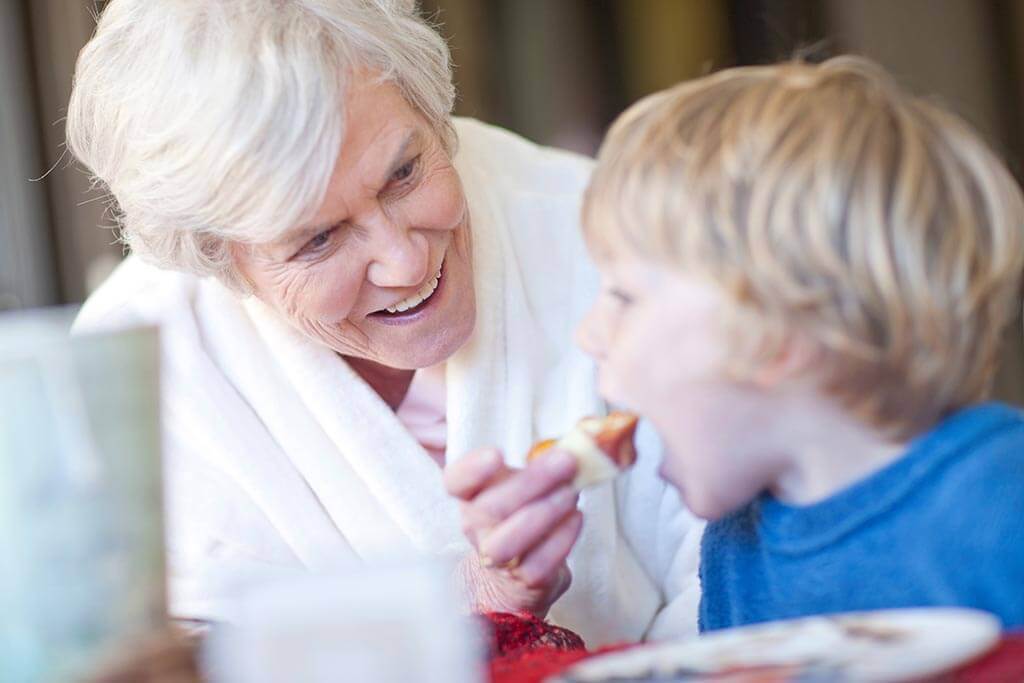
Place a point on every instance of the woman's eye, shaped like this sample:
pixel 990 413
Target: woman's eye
pixel 404 171
pixel 318 242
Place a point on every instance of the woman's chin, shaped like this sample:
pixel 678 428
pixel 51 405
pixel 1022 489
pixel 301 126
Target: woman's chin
pixel 429 347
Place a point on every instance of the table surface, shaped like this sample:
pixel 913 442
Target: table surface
pixel 1003 664
pixel 171 657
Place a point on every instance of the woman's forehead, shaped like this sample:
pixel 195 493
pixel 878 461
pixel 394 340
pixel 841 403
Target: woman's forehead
pixel 380 127
pixel 375 113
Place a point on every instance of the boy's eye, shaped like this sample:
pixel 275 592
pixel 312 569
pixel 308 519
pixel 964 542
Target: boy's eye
pixel 620 296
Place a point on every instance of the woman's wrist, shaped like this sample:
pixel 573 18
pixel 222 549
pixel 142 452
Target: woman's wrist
pixel 491 589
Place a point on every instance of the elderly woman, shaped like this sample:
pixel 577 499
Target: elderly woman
pixel 354 290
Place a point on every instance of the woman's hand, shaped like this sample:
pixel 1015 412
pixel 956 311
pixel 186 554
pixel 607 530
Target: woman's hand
pixel 523 524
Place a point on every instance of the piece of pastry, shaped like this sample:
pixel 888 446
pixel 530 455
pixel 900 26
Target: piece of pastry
pixel 603 447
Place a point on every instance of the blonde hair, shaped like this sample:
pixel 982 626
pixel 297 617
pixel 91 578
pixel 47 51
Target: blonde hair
pixel 829 204
pixel 219 121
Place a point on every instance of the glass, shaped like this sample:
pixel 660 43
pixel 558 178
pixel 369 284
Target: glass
pixel 82 565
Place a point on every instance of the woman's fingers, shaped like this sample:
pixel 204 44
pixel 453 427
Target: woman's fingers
pixel 497 502
pixel 542 565
pixel 525 519
pixel 505 511
pixel 528 526
pixel 467 477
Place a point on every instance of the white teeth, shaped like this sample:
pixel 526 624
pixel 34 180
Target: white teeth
pixel 417 298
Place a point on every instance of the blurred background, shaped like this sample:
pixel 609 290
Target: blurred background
pixel 556 71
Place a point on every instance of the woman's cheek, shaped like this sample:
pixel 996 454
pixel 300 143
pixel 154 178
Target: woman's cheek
pixel 322 292
pixel 439 205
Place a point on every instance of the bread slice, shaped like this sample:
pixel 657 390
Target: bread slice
pixel 603 447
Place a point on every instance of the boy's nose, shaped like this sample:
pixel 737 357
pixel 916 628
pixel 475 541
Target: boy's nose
pixel 589 336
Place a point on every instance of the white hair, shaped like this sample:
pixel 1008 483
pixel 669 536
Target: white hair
pixel 220 121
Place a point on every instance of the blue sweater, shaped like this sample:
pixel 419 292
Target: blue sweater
pixel 942 525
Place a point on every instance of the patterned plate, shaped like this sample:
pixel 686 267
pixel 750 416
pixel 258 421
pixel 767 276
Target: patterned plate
pixel 890 645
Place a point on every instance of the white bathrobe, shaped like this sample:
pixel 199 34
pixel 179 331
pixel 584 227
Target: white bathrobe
pixel 277 455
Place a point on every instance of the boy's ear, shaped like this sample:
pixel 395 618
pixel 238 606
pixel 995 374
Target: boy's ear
pixel 795 360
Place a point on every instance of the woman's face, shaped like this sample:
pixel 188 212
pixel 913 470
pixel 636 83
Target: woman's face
pixel 384 270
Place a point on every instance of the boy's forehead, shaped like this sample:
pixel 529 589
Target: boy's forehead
pixel 609 248
pixel 637 270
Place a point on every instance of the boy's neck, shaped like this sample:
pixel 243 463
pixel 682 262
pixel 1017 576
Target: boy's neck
pixel 828 451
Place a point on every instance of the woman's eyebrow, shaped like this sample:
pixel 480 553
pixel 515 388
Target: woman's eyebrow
pixel 302 235
pixel 398 158
pixel 292 240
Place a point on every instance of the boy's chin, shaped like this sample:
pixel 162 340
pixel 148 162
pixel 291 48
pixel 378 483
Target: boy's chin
pixel 708 511
pixel 692 503
pixel 704 507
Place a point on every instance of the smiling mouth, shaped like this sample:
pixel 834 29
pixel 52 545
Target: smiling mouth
pixel 417 300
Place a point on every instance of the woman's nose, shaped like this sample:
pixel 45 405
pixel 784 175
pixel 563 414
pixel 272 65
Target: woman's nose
pixel 400 257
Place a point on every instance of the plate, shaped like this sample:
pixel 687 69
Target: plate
pixel 887 645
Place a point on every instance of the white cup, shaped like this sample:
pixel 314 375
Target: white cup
pixel 82 565
pixel 375 624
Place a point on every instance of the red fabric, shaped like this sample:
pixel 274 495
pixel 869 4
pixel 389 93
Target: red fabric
pixel 536 665
pixel 512 635
pixel 1005 664
pixel 525 649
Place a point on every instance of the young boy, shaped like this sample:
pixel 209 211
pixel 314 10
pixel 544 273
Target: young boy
pixel 807 273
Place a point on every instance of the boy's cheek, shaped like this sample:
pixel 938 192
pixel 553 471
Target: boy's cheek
pixel 624 385
pixel 608 387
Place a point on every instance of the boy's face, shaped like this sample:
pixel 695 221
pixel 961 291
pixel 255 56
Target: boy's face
pixel 656 336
